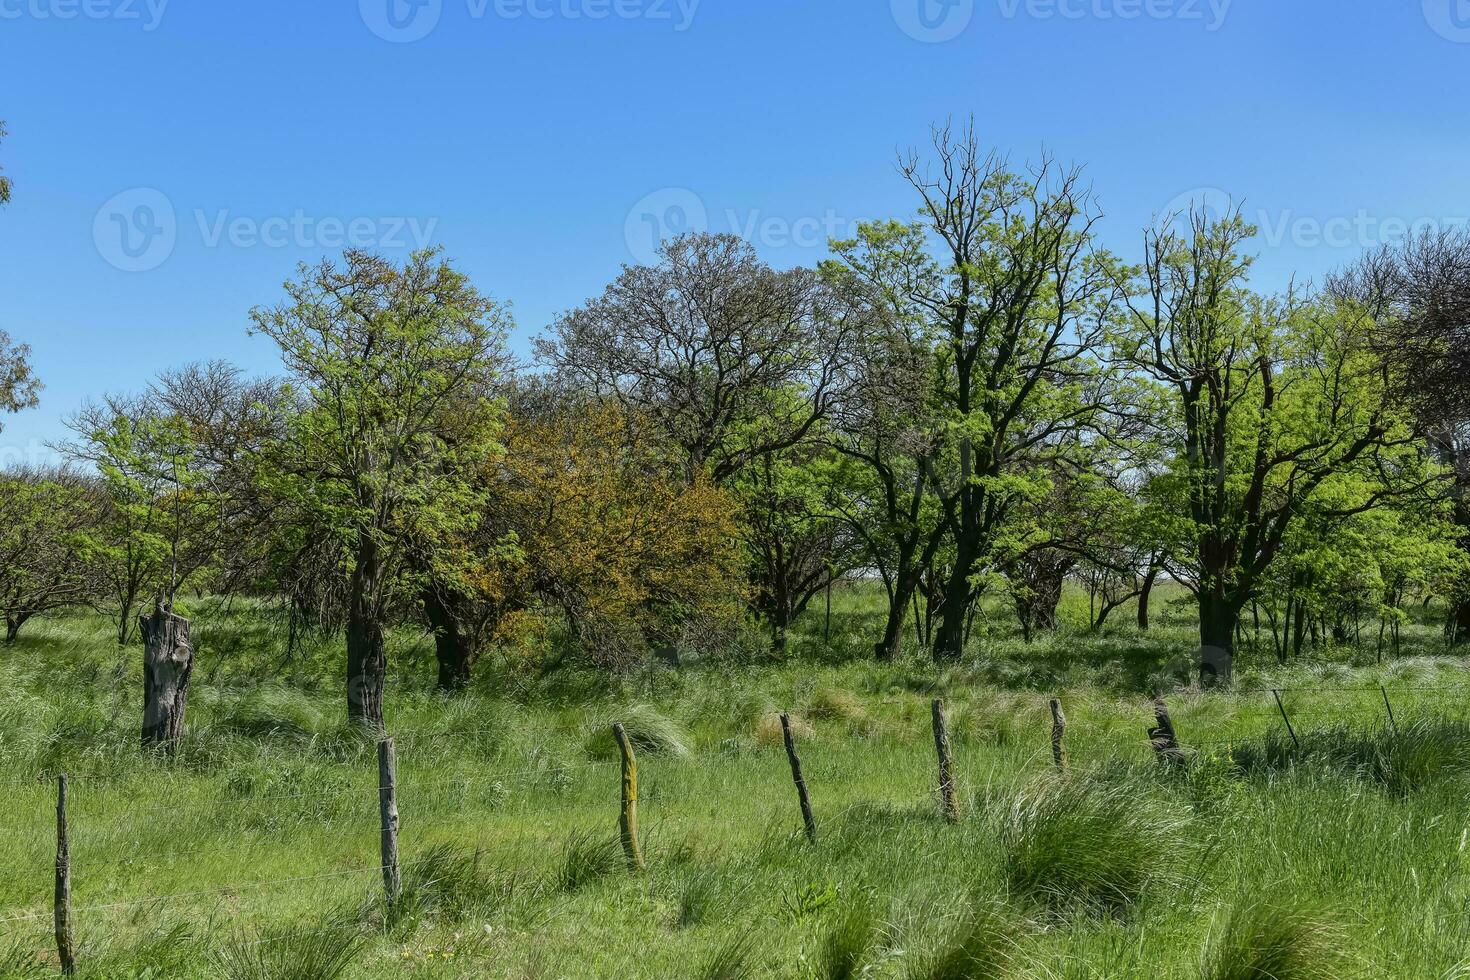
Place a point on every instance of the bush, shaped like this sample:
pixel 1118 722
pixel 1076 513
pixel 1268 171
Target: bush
pixel 1258 941
pixel 1092 843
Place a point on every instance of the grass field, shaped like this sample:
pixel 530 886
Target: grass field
pixel 253 854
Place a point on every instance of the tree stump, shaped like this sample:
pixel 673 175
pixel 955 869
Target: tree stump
pixel 168 660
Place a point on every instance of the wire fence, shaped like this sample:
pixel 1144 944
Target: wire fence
pixel 1279 715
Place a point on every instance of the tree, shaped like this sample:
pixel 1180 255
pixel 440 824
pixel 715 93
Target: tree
pixel 157 521
pixel 45 516
pixel 710 344
pixel 4 180
pixel 588 517
pixel 1418 295
pixel 1021 300
pixel 391 369
pixel 1272 400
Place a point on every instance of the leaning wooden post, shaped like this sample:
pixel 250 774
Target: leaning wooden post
pixel 388 820
pixel 807 819
pixel 168 660
pixel 628 821
pixel 1058 731
pixel 1162 736
pixel 946 764
pixel 66 949
pixel 1281 707
pixel 1388 706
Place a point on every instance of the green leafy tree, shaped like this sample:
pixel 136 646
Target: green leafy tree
pixel 45 517
pixel 1272 401
pixel 390 368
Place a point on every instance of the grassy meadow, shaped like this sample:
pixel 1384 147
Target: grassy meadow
pixel 253 854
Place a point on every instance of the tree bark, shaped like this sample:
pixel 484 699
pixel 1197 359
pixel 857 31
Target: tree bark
pixel 1460 631
pixel 453 646
pixel 1217 619
pixel 367 659
pixel 168 661
pixel 888 648
pixel 1144 595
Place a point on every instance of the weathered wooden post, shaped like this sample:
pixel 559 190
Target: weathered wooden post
pixel 1162 737
pixel 628 820
pixel 1058 732
pixel 168 660
pixel 946 763
pixel 1388 706
pixel 388 820
pixel 1281 707
pixel 66 950
pixel 809 821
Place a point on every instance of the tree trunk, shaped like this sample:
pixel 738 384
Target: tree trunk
pixel 367 660
pixel 1217 619
pixel 1145 594
pixel 454 649
pixel 949 644
pixel 168 660
pixel 1460 622
pixel 891 645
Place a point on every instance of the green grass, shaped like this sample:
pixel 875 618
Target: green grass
pixel 254 852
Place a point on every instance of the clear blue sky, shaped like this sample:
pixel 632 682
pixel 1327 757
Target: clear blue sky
pixel 526 136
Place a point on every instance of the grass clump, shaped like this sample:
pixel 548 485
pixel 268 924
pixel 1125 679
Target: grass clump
pixel 1092 843
pixel 648 729
pixel 1259 941
pixel 19 962
pixel 310 951
pixel 982 948
pixel 585 858
pixel 445 884
pixel 847 942
pixel 1402 760
pixel 735 959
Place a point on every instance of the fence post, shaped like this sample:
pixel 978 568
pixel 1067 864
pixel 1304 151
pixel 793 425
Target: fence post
pixel 946 764
pixel 65 939
pixel 1058 732
pixel 1165 742
pixel 628 821
pixel 1388 706
pixel 1284 717
pixel 807 819
pixel 388 820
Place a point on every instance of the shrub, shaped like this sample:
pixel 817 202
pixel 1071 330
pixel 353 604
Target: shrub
pixel 1258 941
pixel 1089 842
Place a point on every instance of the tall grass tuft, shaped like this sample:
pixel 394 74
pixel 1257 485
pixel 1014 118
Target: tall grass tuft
pixel 19 962
pixel 1259 941
pixel 982 948
pixel 587 857
pixel 735 959
pixel 310 951
pixel 1092 844
pixel 847 942
pixel 1403 761
pixel 648 729
pixel 446 884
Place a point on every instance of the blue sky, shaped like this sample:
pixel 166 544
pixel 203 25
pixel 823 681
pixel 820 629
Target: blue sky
pixel 174 159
